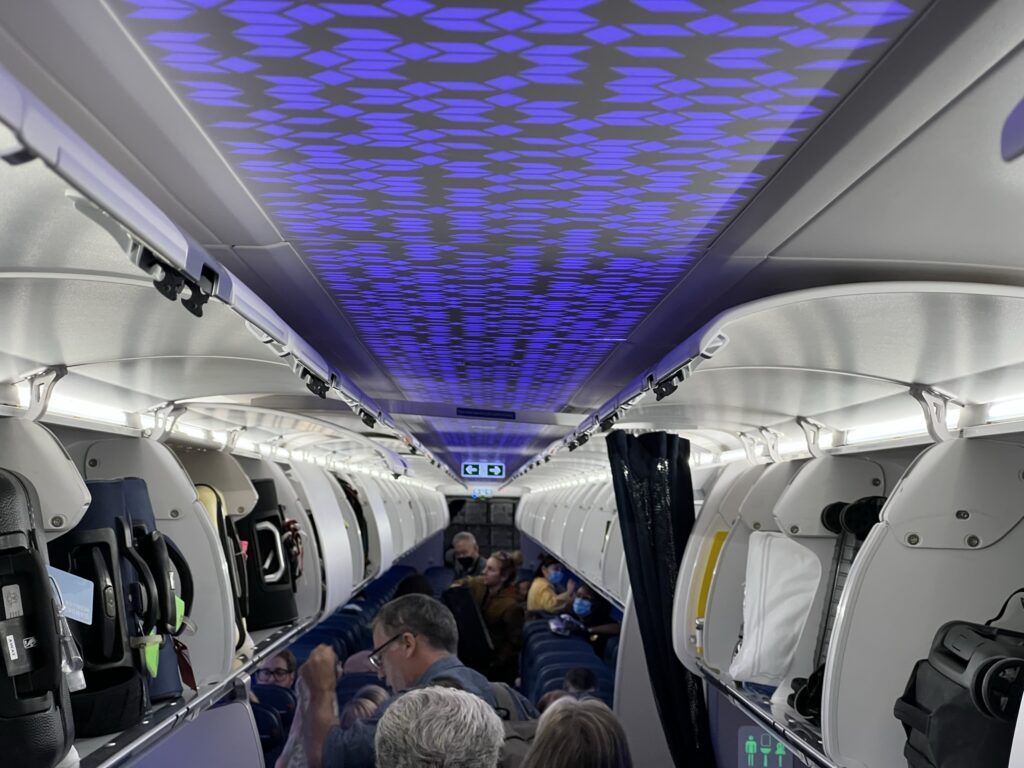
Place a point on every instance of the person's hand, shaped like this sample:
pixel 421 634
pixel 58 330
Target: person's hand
pixel 571 587
pixel 320 672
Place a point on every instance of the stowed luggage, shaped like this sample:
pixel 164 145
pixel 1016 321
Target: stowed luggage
pixel 35 713
pixel 960 706
pixel 142 594
pixel 235 556
pixel 270 565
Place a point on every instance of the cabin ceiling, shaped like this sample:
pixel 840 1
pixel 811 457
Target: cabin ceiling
pixel 467 204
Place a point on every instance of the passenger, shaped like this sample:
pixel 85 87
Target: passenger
pixel 439 728
pixel 359 664
pixel 523 589
pixel 416 639
pixel 580 680
pixel 356 709
pixel 374 693
pixel 579 734
pixel 415 584
pixel 503 614
pixel 542 597
pixel 550 698
pixel 464 556
pixel 278 670
pixel 594 613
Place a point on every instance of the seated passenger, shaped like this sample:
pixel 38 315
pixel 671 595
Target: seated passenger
pixel 358 663
pixel 503 614
pixel 277 670
pixel 439 728
pixel 594 613
pixel 542 597
pixel 580 681
pixel 366 701
pixel 464 556
pixel 356 709
pixel 373 693
pixel 579 734
pixel 550 698
pixel 416 639
pixel 415 584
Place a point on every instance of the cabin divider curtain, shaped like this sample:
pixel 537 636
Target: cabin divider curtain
pixel 654 495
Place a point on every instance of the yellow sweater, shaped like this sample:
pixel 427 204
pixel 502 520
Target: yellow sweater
pixel 543 598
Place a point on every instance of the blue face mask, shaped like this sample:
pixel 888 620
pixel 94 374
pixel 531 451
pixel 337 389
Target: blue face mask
pixel 582 607
pixel 556 577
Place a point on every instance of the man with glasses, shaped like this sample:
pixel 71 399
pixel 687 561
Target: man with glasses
pixel 415 639
pixel 278 670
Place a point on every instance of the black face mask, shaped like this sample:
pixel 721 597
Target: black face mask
pixel 467 563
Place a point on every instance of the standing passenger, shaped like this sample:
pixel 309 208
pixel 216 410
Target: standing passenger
pixel 416 638
pixel 503 614
pixel 464 556
pixel 439 728
pixel 542 597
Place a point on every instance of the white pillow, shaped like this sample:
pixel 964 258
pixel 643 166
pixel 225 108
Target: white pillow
pixel 782 579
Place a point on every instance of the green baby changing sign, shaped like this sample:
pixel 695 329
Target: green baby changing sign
pixel 759 749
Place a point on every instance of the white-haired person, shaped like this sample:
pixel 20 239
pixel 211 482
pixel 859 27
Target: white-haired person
pixel 437 727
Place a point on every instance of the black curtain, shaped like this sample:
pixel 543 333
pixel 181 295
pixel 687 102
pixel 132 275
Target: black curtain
pixel 654 495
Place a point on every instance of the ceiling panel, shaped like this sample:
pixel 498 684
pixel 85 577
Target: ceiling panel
pixel 496 195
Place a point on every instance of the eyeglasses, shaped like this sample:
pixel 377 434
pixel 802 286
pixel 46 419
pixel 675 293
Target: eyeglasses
pixel 277 675
pixel 375 654
pixel 503 556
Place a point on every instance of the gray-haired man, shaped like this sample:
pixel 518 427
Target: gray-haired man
pixel 433 727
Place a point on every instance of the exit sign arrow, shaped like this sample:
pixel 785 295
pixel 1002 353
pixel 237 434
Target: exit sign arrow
pixel 495 470
pixel 471 470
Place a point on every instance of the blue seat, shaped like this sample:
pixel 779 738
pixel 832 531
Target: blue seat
pixel 272 733
pixel 611 652
pixel 440 578
pixel 281 700
pixel 579 658
pixel 553 677
pixel 350 684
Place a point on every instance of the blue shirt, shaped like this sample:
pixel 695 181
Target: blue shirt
pixel 354 748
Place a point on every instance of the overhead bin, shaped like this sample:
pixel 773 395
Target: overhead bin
pixel 948 549
pixel 309 586
pixel 724 619
pixel 580 526
pixel 181 516
pixel 700 557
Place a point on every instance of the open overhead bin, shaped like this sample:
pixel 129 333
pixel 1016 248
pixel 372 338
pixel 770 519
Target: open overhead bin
pixel 156 410
pixel 825 398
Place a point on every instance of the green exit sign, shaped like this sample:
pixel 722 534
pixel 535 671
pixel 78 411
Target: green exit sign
pixel 487 470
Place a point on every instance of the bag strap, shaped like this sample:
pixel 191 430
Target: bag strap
pixel 187 584
pixel 912 716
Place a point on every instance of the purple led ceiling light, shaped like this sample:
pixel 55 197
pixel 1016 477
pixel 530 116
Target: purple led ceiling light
pixel 497 193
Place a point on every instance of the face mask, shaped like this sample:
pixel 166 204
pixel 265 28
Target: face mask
pixel 467 563
pixel 582 607
pixel 556 577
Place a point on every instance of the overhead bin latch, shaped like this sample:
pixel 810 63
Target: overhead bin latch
pixel 812 431
pixel 935 404
pixel 232 440
pixel 165 419
pixel 314 383
pixel 171 284
pixel 40 388
pixel 771 443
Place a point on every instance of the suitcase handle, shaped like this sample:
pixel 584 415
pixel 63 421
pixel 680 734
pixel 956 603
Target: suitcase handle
pixel 275 535
pixel 150 595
